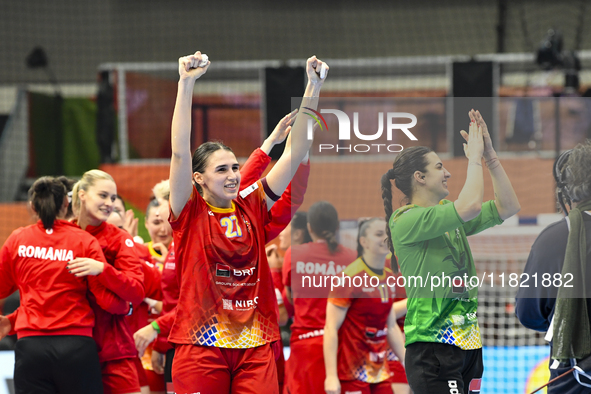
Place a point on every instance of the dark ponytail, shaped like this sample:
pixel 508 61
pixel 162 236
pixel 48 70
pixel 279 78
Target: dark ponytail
pixel 387 198
pixel 324 222
pixel 47 197
pixel 406 163
pixel 300 222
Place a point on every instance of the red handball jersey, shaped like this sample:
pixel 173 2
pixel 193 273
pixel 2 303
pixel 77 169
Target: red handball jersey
pixel 302 264
pixel 53 301
pixel 123 275
pixel 227 298
pixel 170 298
pixel 363 344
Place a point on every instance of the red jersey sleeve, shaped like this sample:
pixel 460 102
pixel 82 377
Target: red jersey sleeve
pixel 165 322
pixel 105 298
pixel 152 278
pixel 7 279
pixel 12 319
pixel 125 278
pixel 342 296
pixel 184 218
pixel 254 167
pixel 290 201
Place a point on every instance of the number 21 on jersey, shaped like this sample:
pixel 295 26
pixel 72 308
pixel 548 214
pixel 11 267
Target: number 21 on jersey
pixel 231 225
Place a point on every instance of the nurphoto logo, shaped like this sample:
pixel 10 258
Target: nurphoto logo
pixel 394 122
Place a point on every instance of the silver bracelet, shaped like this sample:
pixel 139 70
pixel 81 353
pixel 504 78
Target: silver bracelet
pixel 475 163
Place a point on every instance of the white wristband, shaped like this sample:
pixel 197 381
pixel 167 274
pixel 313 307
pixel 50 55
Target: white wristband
pixel 279 297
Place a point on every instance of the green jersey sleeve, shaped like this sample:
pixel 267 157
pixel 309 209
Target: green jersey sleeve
pixel 488 217
pixel 413 224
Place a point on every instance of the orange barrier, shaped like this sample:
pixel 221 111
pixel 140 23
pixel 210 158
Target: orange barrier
pixel 14 215
pixel 353 187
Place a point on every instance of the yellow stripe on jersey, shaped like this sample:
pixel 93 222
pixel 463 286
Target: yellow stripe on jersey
pixel 359 266
pixel 221 210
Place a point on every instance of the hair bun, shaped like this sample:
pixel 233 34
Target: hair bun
pixel 42 187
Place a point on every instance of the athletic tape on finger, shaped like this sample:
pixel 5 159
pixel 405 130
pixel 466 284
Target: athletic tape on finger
pixel 323 71
pixel 204 60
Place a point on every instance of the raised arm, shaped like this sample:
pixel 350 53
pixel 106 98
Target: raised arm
pixel 298 143
pixel 290 201
pixel 259 159
pixel 180 162
pixel 505 197
pixel 280 132
pixel 469 202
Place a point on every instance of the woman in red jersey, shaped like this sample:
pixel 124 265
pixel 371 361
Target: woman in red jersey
pixel 226 317
pixel 251 171
pixel 150 381
pixel 55 351
pixel 92 200
pixel 305 366
pixel 361 320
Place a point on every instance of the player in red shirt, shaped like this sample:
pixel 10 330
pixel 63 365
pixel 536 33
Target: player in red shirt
pixel 251 171
pixel 150 381
pixel 226 318
pixel 361 320
pixel 92 199
pixel 312 261
pixel 55 351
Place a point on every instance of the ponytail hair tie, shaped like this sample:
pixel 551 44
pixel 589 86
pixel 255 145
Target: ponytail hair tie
pixel 391 174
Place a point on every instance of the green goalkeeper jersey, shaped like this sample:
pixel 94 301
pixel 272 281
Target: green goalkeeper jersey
pixel 436 262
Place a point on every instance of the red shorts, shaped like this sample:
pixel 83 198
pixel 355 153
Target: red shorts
pixel 149 378
pixel 120 376
pixel 155 381
pixel 141 372
pixel 399 374
pixel 357 387
pixel 212 370
pixel 281 370
pixel 304 370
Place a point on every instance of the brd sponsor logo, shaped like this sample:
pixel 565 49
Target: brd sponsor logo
pixel 244 272
pixel 225 271
pixel 392 124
